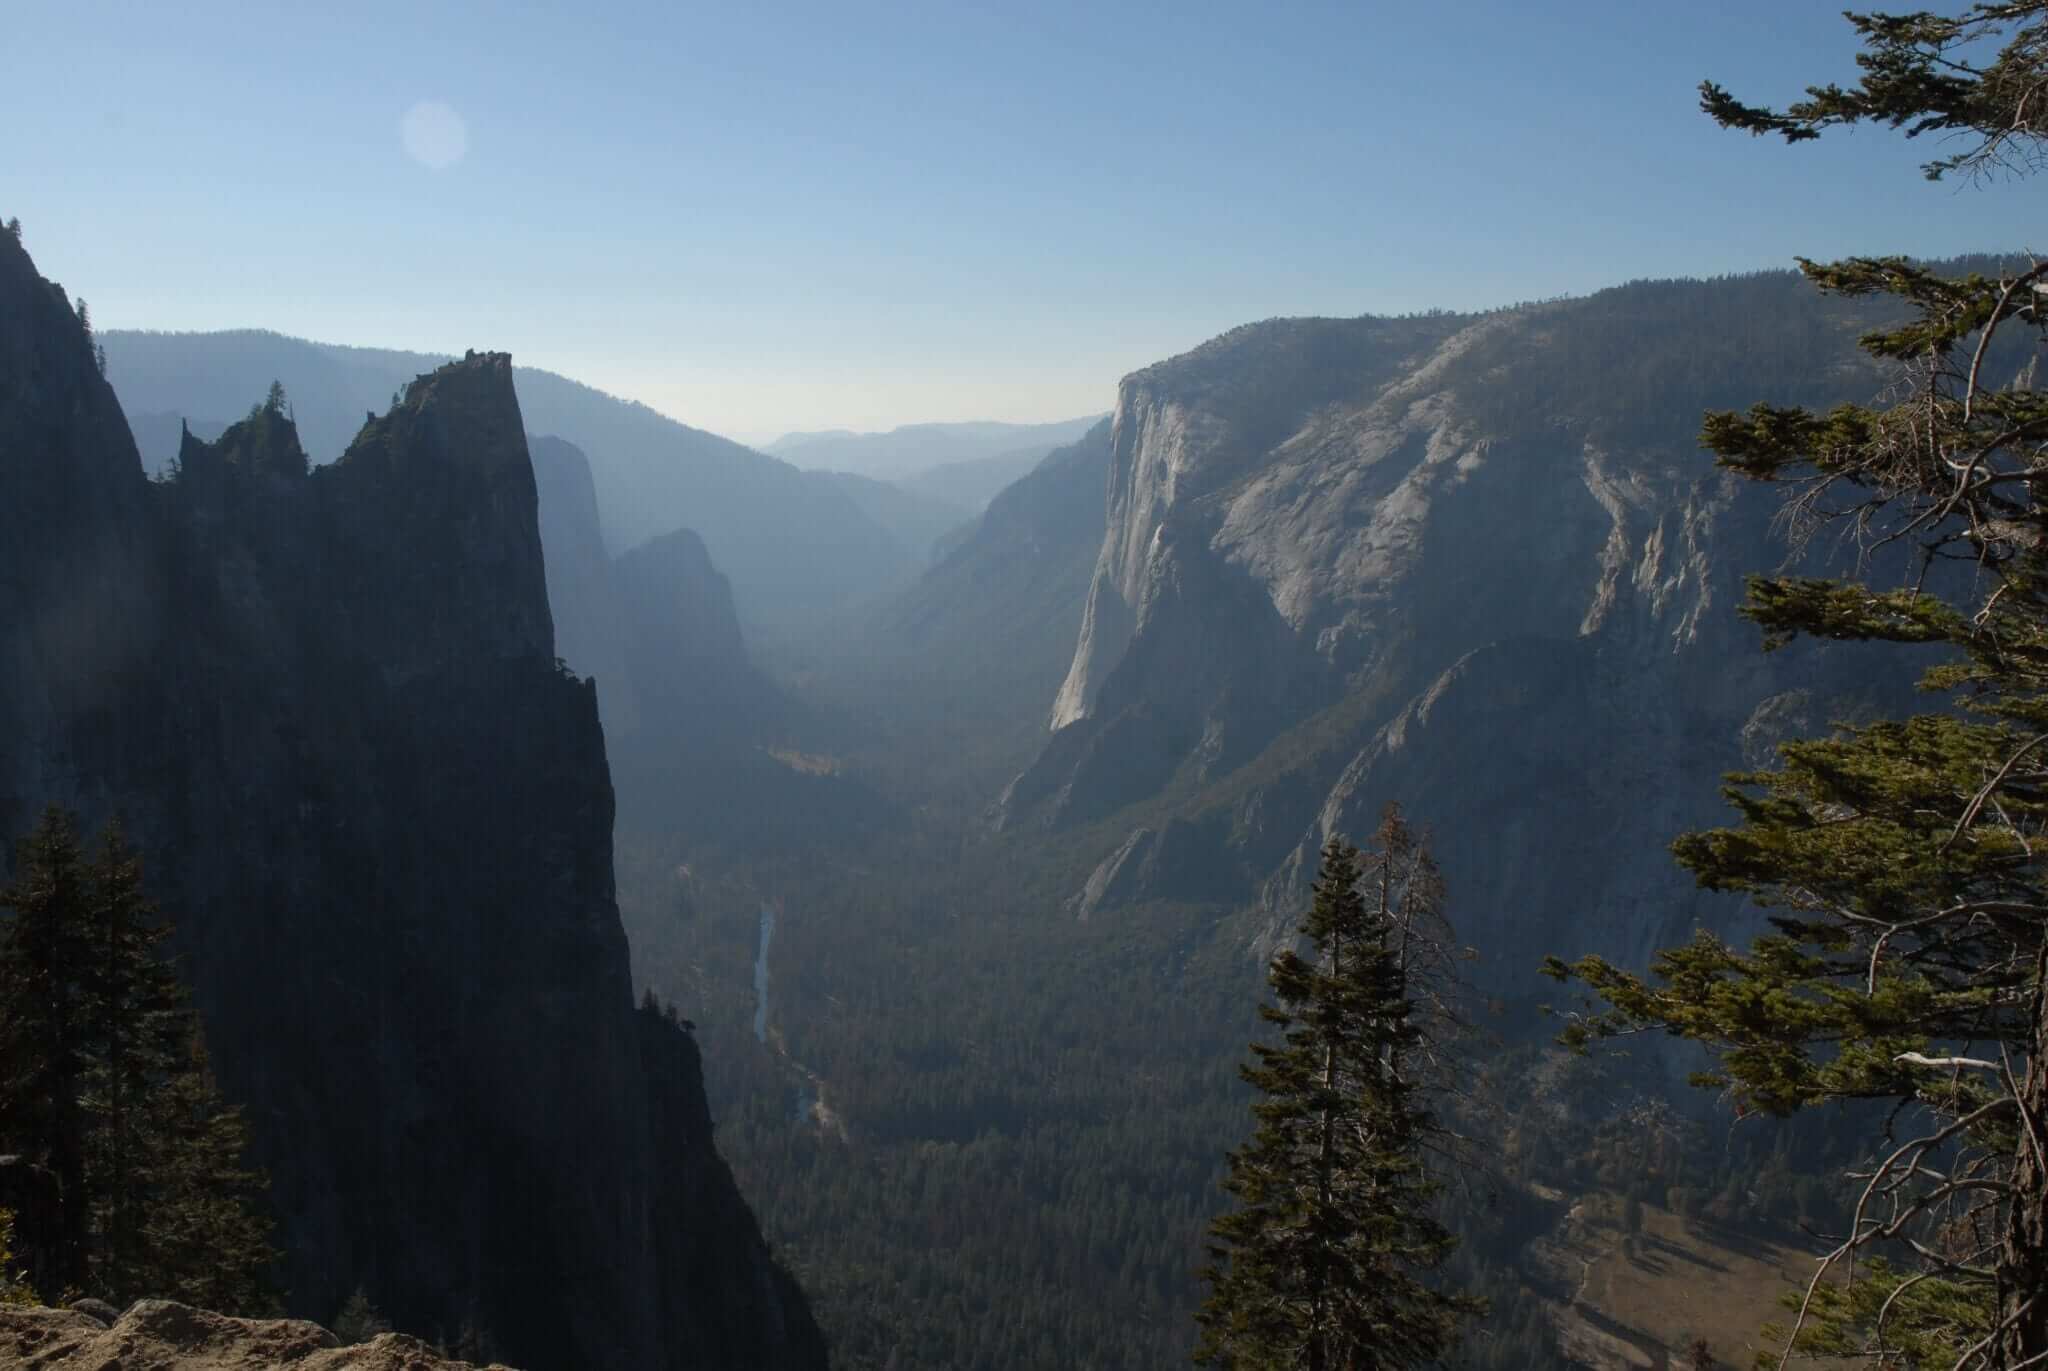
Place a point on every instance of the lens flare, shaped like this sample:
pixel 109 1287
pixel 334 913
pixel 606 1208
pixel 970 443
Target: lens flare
pixel 434 135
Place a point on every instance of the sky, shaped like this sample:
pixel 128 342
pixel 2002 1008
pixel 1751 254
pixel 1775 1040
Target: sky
pixel 764 217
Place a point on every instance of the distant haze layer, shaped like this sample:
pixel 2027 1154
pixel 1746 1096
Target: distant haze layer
pixel 915 448
pixel 797 544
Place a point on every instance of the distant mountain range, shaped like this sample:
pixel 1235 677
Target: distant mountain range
pixel 799 546
pixel 909 454
pixel 970 484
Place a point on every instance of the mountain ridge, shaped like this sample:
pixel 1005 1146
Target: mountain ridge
pixel 325 703
pixel 796 545
pixel 1382 523
pixel 909 449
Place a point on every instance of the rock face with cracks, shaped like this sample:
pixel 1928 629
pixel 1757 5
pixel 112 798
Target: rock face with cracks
pixel 1474 564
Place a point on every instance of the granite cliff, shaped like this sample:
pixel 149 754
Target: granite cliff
pixel 1475 564
pixel 684 653
pixel 655 628
pixel 326 701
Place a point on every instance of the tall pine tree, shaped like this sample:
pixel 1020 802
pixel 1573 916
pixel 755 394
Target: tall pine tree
pixel 105 1089
pixel 46 1038
pixel 141 1027
pixel 1323 1262
pixel 1905 857
pixel 205 1234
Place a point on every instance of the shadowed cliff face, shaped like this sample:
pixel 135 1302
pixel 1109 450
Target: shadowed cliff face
pixel 590 628
pixel 684 652
pixel 327 704
pixel 75 538
pixel 655 627
pixel 1476 565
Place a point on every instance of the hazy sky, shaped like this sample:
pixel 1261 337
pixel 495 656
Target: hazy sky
pixel 766 217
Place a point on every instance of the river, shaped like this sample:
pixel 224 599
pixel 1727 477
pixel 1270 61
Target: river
pixel 761 975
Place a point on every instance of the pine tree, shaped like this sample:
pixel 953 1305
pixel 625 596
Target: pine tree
pixel 1322 1262
pixel 99 351
pixel 140 1021
pixel 14 1286
pixel 358 1320
pixel 46 1036
pixel 1907 962
pixel 104 1083
pixel 206 1237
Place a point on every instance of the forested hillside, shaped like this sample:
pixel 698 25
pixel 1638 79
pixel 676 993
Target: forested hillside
pixel 1476 563
pixel 1484 807
pixel 972 992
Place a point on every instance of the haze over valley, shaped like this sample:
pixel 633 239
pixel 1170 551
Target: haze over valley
pixel 1249 714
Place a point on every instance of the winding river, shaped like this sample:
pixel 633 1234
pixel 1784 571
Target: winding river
pixel 761 975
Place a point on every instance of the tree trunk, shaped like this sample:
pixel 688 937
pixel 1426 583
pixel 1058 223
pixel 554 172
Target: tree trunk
pixel 2023 1263
pixel 1319 1333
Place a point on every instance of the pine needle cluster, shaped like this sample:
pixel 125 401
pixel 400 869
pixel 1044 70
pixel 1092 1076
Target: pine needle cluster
pixel 1905 857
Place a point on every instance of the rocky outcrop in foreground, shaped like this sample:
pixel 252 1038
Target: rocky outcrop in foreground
pixel 156 1335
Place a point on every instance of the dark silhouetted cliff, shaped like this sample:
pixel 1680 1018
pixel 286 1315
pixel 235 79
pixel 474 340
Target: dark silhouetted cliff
pixel 326 701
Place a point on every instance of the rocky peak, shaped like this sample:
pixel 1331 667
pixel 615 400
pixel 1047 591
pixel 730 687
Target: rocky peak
pixel 66 459
pixel 76 541
pixel 684 652
pixel 264 446
pixel 465 412
pixel 327 707
pixel 436 522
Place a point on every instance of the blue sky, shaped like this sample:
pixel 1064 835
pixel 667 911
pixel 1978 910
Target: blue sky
pixel 769 217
